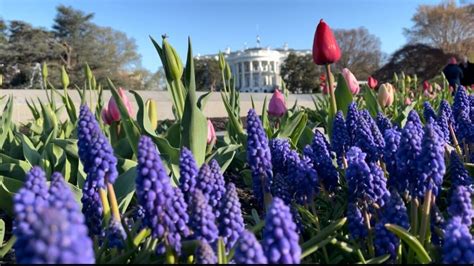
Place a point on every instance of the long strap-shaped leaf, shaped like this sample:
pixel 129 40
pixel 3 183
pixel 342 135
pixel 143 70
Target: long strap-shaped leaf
pixel 412 242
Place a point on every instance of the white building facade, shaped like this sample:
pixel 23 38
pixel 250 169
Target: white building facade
pixel 257 69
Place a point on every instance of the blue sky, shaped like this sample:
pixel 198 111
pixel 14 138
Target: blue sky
pixel 216 24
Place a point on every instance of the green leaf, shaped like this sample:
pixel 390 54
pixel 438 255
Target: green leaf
pixel 309 246
pixel 224 155
pixel 194 123
pixel 29 150
pixel 6 120
pixel 2 231
pixel 377 260
pixel 8 186
pixel 125 187
pixel 202 100
pixel 294 128
pixel 371 101
pixel 343 94
pixel 470 168
pixel 412 242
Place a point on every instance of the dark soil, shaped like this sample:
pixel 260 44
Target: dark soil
pixel 220 122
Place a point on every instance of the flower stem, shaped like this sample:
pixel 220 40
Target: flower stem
pixel 455 141
pixel 332 97
pixel 425 215
pixel 113 201
pixel 105 203
pixel 369 238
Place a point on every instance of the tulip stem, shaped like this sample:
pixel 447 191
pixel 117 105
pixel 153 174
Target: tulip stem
pixel 113 201
pixel 455 141
pixel 331 91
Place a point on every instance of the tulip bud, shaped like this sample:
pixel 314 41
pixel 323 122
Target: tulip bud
pixel 372 82
pixel 211 133
pixel 426 86
pixel 277 106
pixel 173 61
pixel 114 112
pixel 1 80
pixel 88 72
pixel 152 112
pixel 221 62
pixel 106 116
pixel 351 81
pixel 94 83
pixel 64 78
pixel 407 101
pixel 408 81
pixel 395 78
pixel 228 72
pixel 44 71
pixel 386 94
pixel 325 84
pixel 325 48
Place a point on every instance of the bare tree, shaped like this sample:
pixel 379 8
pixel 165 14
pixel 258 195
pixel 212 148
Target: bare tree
pixel 361 51
pixel 445 26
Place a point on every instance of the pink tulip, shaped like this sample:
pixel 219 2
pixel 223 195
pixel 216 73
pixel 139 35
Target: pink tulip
pixel 113 111
pixel 386 94
pixel 351 81
pixel 211 133
pixel 105 116
pixel 277 106
pixel 407 101
pixel 426 86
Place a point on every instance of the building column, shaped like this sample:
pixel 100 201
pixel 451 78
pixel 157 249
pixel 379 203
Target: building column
pixel 260 81
pixel 277 74
pixel 242 75
pixel 251 73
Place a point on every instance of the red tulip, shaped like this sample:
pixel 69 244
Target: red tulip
pixel 113 111
pixel 211 133
pixel 277 106
pixel 426 86
pixel 372 82
pixel 325 48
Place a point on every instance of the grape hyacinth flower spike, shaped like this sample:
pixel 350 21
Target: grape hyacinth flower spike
pixel 458 243
pixel 280 240
pixel 322 162
pixel 202 221
pixel 157 197
pixel 248 250
pixel 188 171
pixel 259 158
pixel 458 174
pixel 230 221
pixel 340 138
pixel 205 254
pixel 461 205
pixel 100 164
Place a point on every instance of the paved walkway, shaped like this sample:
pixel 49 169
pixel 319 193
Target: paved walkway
pixel 214 106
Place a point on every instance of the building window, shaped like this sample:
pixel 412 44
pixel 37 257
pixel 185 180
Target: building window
pixel 256 80
pixel 255 65
pixel 246 66
pixel 247 81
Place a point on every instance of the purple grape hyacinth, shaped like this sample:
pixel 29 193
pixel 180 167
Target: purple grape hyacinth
pixel 383 123
pixel 188 172
pixel 352 119
pixel 218 190
pixel 461 205
pixel 394 212
pixel 230 221
pixel 376 133
pixel 248 250
pixel 428 111
pixel 95 151
pixel 54 240
pixel 380 184
pixel 366 141
pixel 458 247
pixel 458 174
pixel 258 156
pixel 31 197
pixel 157 197
pixel 280 239
pixel 415 119
pixel 431 167
pixel 100 164
pixel 407 157
pixel 359 177
pixel 340 140
pixel 116 234
pixel 202 220
pixel 322 162
pixel 392 142
pixel 445 118
pixel 205 254
pixel 280 148
pixel 356 223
